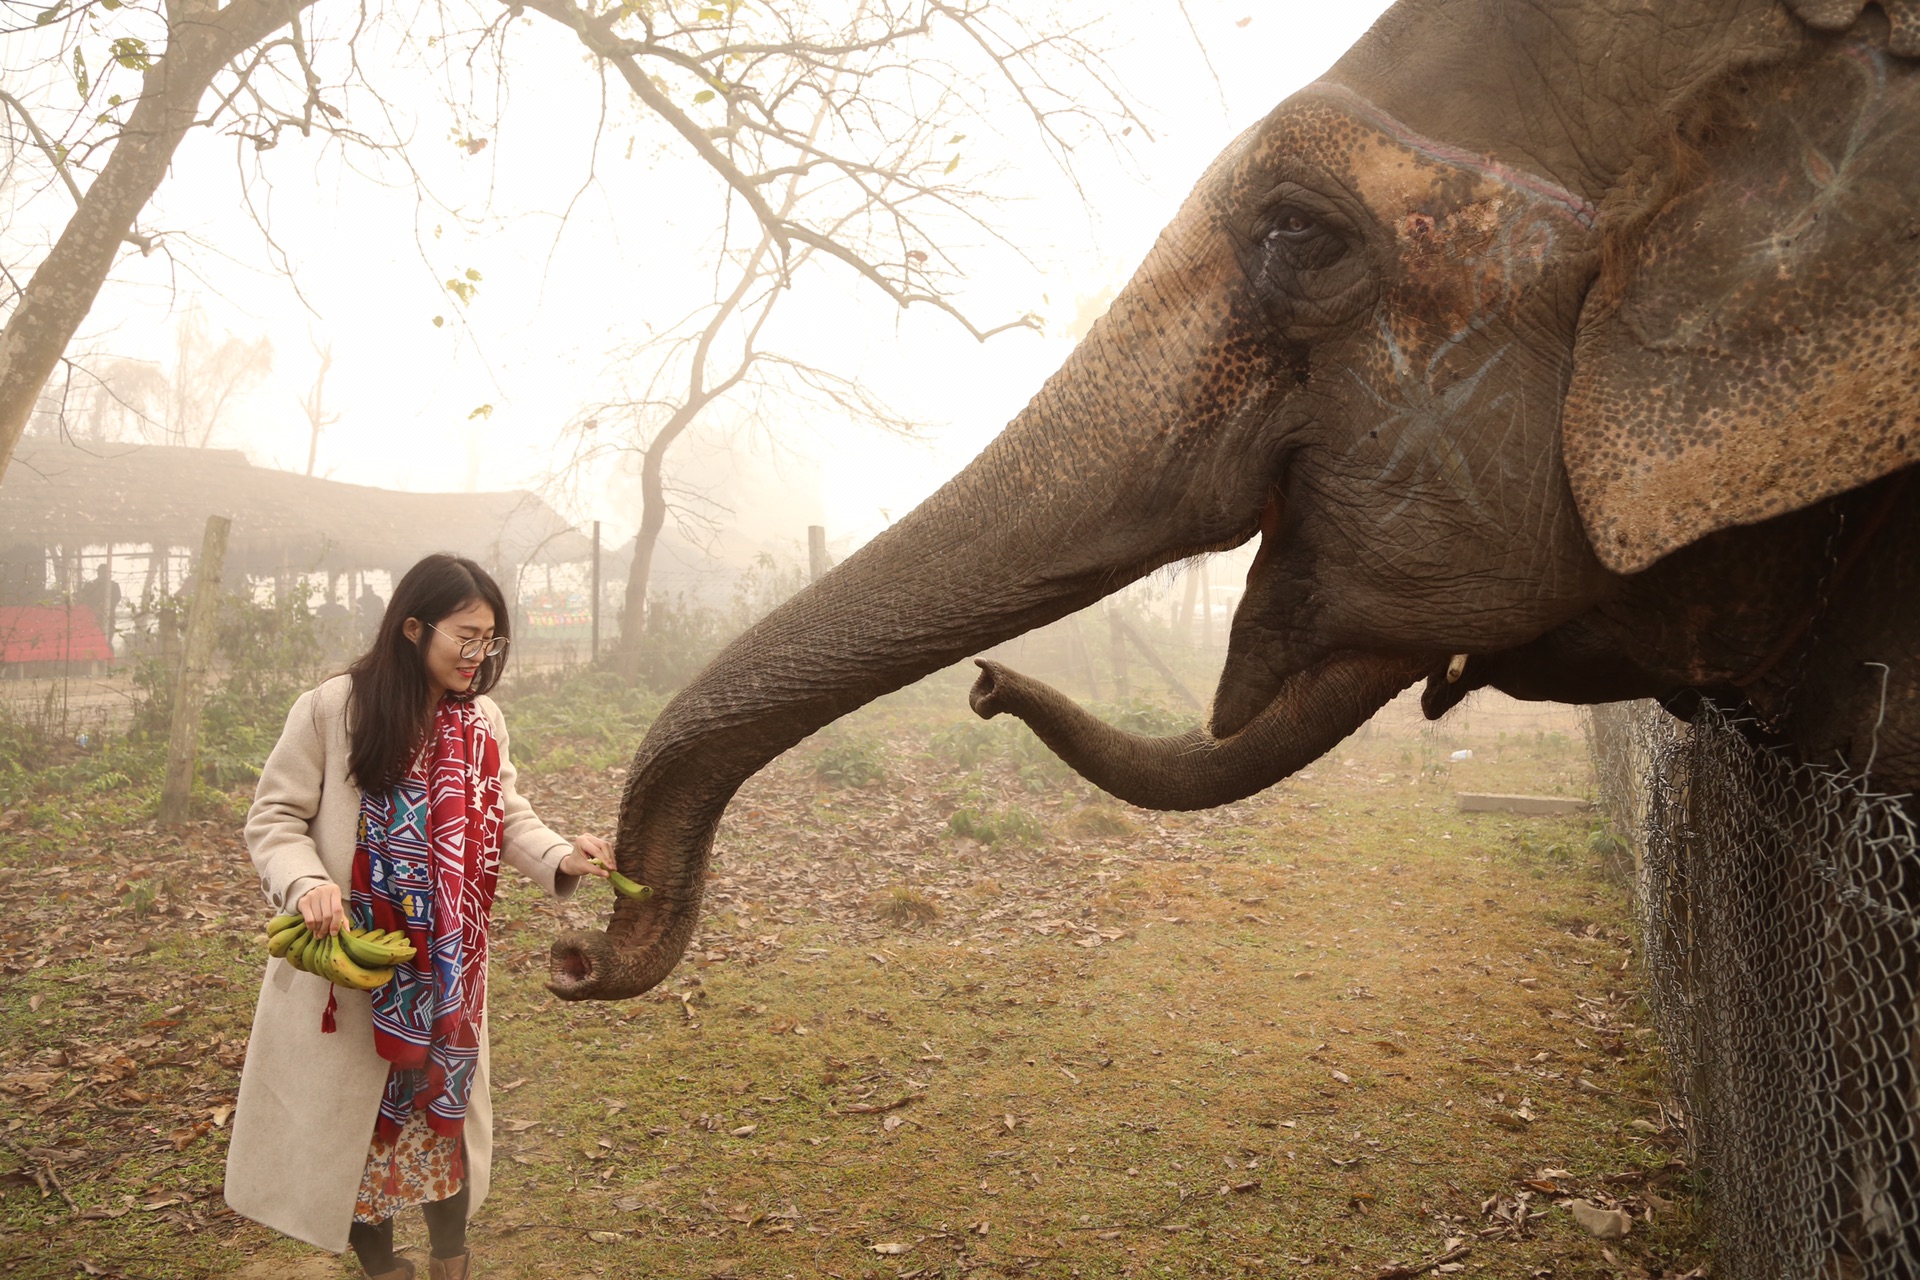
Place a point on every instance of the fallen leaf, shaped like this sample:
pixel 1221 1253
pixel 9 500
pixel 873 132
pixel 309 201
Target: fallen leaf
pixel 520 1126
pixel 605 1237
pixel 892 1250
pixel 1343 1077
pixel 1602 1224
pixel 511 1085
pixel 744 1131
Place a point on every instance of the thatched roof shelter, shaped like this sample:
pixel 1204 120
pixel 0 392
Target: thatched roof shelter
pixel 74 496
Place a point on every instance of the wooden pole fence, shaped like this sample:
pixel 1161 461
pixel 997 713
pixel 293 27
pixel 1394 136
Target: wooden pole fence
pixel 189 690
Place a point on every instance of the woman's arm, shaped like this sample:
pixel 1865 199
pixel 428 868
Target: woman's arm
pixel 284 803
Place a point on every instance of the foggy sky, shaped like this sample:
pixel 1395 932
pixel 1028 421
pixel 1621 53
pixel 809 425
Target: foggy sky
pixel 557 298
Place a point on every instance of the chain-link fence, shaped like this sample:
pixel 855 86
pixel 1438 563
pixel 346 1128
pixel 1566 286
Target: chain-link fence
pixel 1781 909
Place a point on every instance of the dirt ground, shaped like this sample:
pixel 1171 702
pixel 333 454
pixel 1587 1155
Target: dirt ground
pixel 949 1014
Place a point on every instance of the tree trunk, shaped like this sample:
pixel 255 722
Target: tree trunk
pixel 200 41
pixel 653 518
pixel 184 738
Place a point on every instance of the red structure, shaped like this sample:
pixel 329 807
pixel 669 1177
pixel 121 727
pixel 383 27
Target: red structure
pixel 38 639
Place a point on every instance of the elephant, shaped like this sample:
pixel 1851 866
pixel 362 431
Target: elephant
pixel 1567 347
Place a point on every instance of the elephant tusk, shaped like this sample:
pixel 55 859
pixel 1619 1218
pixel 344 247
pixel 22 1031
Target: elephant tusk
pixel 1456 668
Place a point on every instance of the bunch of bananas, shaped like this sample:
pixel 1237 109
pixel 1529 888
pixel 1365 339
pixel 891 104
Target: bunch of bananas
pixel 359 958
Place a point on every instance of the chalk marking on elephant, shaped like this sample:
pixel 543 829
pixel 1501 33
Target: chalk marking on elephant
pixel 1574 206
pixel 1419 415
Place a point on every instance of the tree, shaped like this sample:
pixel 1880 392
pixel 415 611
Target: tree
pixel 123 142
pixel 840 137
pixel 184 403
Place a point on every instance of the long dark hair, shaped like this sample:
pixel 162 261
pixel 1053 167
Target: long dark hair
pixel 387 709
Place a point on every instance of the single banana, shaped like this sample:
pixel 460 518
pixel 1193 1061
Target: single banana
pixel 362 949
pixel 320 957
pixel 400 948
pixel 281 923
pixel 378 950
pixel 349 974
pixel 282 942
pixel 627 888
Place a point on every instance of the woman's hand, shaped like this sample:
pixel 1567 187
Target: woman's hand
pixel 590 856
pixel 320 907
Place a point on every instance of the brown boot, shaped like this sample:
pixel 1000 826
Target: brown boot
pixel 460 1268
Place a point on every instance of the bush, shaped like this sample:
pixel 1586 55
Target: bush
pixel 904 905
pixel 850 760
pixel 997 826
pixel 577 717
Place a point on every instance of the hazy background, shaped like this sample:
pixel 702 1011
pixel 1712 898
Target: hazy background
pixel 584 237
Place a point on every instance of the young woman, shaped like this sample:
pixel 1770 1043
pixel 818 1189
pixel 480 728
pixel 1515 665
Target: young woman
pixel 389 802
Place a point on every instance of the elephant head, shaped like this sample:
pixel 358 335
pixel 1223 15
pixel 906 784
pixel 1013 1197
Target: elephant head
pixel 1464 333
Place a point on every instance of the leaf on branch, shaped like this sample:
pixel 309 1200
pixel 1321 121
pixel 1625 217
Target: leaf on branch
pixel 473 275
pixel 711 15
pixel 956 139
pixel 484 411
pixel 952 165
pixel 131 53
pixel 439 321
pixel 45 16
pixel 705 95
pixel 80 71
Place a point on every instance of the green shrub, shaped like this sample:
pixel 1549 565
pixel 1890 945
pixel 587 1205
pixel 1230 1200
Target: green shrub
pixel 850 760
pixel 577 716
pixel 997 826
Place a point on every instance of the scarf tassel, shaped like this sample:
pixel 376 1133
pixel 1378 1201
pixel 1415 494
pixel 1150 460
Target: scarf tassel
pixel 327 1024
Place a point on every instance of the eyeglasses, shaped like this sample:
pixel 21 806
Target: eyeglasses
pixel 491 647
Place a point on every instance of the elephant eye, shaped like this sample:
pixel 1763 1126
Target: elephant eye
pixel 1296 240
pixel 1292 225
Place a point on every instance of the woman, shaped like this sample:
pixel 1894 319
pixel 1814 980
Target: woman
pixel 389 802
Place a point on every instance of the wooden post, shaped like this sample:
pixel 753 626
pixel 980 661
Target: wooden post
pixel 593 645
pixel 1206 607
pixel 1155 661
pixel 190 689
pixel 1183 630
pixel 817 564
pixel 1077 647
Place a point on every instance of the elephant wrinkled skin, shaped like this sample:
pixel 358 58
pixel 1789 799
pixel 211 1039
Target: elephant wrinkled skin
pixel 1574 336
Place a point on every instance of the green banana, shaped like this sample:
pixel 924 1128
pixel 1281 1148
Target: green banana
pixel 319 959
pixel 376 950
pixel 280 943
pixel 282 923
pixel 627 888
pixel 297 950
pixel 362 949
pixel 348 974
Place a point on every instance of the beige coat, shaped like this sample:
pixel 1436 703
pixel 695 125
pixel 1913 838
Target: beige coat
pixel 308 1100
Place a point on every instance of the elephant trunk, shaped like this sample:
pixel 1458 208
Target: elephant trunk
pixel 1046 521
pixel 1313 711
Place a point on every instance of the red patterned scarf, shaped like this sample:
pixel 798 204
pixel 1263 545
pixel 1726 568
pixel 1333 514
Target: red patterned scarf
pixel 426 862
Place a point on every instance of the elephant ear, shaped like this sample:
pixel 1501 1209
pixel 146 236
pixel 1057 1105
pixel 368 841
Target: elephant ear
pixel 1755 346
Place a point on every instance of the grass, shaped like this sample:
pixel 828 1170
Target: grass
pixel 1316 1033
